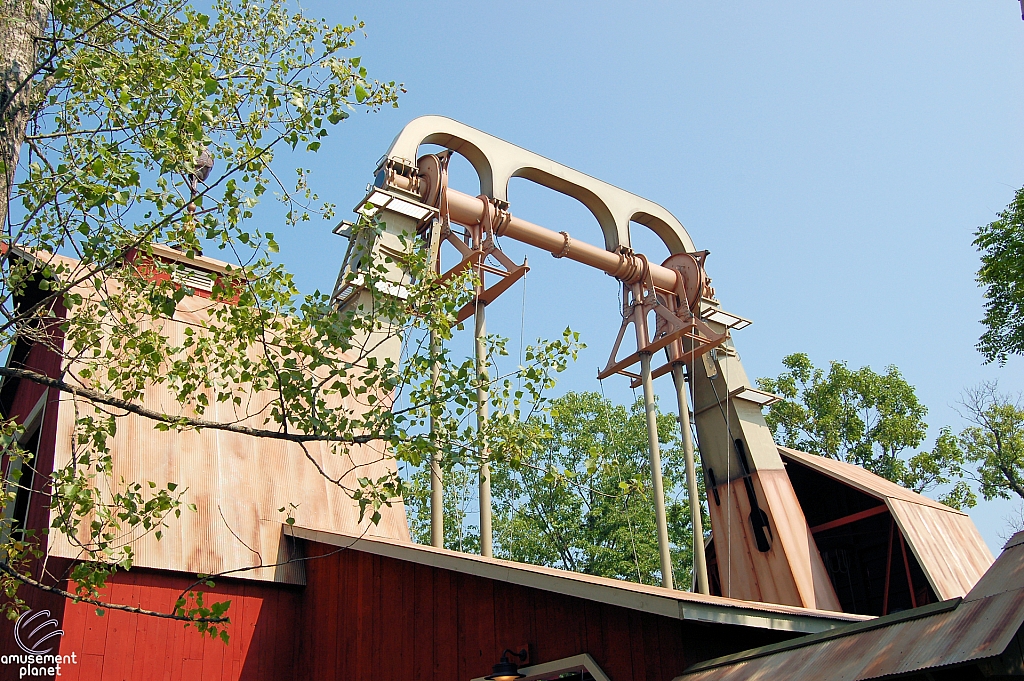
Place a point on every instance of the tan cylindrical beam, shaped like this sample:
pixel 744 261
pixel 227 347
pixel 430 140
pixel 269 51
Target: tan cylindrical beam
pixel 660 518
pixel 700 566
pixel 482 397
pixel 469 210
pixel 654 447
pixel 436 475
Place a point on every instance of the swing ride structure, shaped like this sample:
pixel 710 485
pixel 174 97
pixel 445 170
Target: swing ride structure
pixel 764 548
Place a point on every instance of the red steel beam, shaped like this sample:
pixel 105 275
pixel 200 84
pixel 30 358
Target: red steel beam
pixel 847 519
pixel 888 570
pixel 910 580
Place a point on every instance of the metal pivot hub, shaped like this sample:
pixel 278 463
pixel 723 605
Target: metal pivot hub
pixel 676 312
pixel 475 245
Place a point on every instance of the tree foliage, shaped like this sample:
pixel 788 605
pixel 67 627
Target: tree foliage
pixel 579 496
pixel 865 418
pixel 994 441
pixel 1001 243
pixel 121 102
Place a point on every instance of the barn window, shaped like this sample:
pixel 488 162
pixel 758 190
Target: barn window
pixel 20 474
pixel 21 477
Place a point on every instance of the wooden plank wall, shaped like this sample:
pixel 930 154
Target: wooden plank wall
pixel 28 393
pixel 238 483
pixel 122 646
pixel 368 617
pixel 381 618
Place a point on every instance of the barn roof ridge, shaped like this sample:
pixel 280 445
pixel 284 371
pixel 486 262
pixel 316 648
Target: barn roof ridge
pixel 865 480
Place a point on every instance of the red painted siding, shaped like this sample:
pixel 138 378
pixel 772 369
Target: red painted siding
pixel 46 361
pixel 367 617
pixel 26 394
pixel 121 646
pixel 370 617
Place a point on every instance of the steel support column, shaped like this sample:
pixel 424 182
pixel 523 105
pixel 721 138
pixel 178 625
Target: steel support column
pixel 700 567
pixel 659 486
pixel 482 397
pixel 436 475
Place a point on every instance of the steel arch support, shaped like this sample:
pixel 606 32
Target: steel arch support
pixel 497 161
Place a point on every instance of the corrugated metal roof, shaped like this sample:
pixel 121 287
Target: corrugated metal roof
pixel 648 598
pixel 947 545
pixel 943 634
pixel 1003 573
pixel 237 482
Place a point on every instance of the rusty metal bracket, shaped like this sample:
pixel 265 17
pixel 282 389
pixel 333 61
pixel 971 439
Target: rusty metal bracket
pixel 478 245
pixel 676 327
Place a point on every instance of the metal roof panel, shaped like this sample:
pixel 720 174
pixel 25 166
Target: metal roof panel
pixel 979 627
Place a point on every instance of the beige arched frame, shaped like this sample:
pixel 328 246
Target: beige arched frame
pixel 497 161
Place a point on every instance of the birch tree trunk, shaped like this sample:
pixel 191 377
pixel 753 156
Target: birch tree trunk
pixel 22 23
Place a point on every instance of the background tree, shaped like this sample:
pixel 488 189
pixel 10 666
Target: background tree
pixel 995 440
pixel 1001 243
pixel 865 418
pixel 579 496
pixel 111 117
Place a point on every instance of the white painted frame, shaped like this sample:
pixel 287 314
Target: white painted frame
pixel 576 663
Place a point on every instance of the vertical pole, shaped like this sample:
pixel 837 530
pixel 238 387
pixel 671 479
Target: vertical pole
pixel 659 485
pixel 654 448
pixel 700 567
pixel 888 566
pixel 481 424
pixel 436 479
pixel 906 564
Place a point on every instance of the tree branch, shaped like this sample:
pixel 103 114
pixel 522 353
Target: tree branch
pixel 181 421
pixel 110 606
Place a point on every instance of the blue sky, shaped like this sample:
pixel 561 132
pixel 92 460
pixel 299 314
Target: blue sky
pixel 834 157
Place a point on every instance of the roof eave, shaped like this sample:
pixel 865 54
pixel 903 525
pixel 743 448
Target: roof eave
pixel 680 605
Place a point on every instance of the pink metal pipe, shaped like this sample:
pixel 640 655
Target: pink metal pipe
pixel 469 210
